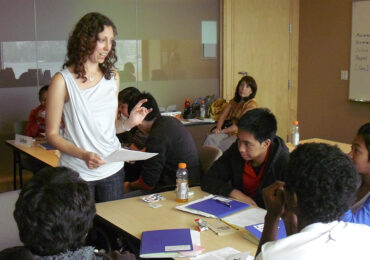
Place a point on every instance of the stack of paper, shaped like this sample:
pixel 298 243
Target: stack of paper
pixel 170 243
pixel 248 217
pixel 252 220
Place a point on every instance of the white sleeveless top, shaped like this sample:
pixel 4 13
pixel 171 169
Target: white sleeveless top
pixel 89 116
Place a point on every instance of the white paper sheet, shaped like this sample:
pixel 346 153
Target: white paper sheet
pixel 205 120
pixel 226 253
pixel 194 211
pixel 250 216
pixel 128 155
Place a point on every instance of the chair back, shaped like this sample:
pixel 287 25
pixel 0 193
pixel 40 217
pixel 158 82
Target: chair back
pixel 207 155
pixel 9 235
pixel 20 127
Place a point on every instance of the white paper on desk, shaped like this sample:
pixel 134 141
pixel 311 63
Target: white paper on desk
pixel 243 218
pixel 197 248
pixel 128 155
pixel 24 140
pixel 205 120
pixel 194 211
pixel 226 253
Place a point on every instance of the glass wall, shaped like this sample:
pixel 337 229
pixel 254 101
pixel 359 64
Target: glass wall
pixel 159 46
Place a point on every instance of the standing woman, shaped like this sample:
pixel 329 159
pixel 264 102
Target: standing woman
pixel 224 134
pixel 85 93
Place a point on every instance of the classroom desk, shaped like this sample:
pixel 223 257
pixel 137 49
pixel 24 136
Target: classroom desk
pixel 48 157
pixel 346 148
pixel 134 216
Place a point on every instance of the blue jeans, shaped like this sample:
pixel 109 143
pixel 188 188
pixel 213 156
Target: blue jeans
pixel 110 188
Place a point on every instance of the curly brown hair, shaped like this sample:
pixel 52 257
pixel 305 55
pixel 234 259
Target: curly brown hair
pixel 82 42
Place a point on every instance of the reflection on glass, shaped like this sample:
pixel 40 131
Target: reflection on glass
pixel 18 64
pixel 129 64
pixel 30 63
pixel 160 45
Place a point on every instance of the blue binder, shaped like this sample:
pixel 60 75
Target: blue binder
pixel 47 146
pixel 214 207
pixel 257 229
pixel 165 241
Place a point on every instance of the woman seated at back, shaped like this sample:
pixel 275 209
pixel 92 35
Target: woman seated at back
pixel 360 155
pixel 224 134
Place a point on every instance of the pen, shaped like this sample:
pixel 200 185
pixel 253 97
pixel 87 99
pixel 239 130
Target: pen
pixel 227 204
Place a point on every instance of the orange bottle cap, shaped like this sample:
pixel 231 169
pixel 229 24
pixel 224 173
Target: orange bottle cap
pixel 182 165
pixel 295 122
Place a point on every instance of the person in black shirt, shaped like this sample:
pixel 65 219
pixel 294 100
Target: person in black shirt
pixel 168 137
pixel 257 159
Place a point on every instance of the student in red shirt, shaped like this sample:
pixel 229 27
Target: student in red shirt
pixel 36 120
pixel 257 159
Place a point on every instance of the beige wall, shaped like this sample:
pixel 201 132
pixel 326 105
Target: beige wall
pixel 324 110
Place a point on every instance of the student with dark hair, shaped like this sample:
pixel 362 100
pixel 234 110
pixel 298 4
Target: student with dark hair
pixel 226 129
pixel 257 159
pixel 85 93
pixel 124 98
pixel 320 186
pixel 360 155
pixel 168 137
pixel 134 138
pixel 36 120
pixel 54 213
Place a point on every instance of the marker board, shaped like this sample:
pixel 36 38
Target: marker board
pixel 359 83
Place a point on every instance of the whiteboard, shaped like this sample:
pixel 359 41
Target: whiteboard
pixel 359 82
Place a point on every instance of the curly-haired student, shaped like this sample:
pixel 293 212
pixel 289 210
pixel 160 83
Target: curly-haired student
pixel 320 186
pixel 54 213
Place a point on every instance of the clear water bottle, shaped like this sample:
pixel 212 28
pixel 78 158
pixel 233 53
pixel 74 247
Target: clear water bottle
pixel 295 133
pixel 182 183
pixel 202 111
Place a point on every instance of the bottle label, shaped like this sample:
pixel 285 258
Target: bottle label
pixel 295 139
pixel 202 112
pixel 182 189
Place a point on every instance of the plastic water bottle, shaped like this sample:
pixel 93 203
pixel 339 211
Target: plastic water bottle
pixel 295 133
pixel 182 183
pixel 202 113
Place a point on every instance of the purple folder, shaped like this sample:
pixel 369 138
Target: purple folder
pixel 47 146
pixel 257 229
pixel 216 208
pixel 166 240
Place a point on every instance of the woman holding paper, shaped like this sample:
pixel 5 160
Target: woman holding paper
pixel 85 93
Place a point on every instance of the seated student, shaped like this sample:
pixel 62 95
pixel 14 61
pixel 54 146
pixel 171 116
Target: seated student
pixel 134 138
pixel 320 186
pixel 168 137
pixel 36 120
pixel 360 155
pixel 224 134
pixel 54 213
pixel 254 161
